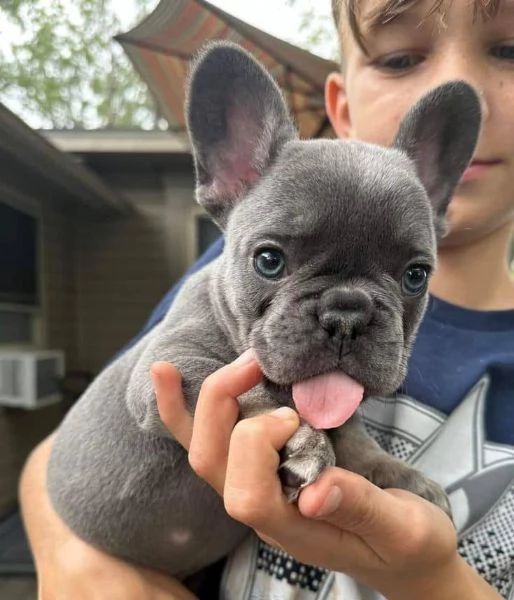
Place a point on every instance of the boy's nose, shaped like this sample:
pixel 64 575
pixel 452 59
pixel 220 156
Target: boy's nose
pixel 483 102
pixel 459 65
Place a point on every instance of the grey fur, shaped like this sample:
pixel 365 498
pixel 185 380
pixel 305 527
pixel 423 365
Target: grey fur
pixel 350 218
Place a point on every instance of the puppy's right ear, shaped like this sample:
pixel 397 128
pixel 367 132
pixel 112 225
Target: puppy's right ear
pixel 439 134
pixel 237 121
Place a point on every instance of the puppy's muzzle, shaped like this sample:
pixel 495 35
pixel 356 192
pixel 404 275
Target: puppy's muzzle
pixel 345 313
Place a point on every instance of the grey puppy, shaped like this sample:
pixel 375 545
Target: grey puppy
pixel 329 248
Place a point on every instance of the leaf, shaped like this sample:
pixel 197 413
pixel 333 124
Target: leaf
pixel 317 32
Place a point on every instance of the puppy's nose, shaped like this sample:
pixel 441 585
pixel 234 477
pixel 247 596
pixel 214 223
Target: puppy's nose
pixel 345 313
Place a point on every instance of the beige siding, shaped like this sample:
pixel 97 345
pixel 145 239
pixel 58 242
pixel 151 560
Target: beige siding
pixel 59 285
pixel 126 265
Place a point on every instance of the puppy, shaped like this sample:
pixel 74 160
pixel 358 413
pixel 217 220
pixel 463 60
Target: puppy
pixel 329 250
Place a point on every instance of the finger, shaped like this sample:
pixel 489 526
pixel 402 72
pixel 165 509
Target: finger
pixel 252 482
pixel 352 503
pixel 270 541
pixel 167 383
pixel 216 413
pixel 253 492
pixel 382 519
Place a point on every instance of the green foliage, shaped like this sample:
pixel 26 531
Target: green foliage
pixel 317 32
pixel 64 70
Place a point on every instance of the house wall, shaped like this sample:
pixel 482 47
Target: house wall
pixel 100 281
pixel 21 430
pixel 126 265
pixel 60 322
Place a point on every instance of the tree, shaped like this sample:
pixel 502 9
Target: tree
pixel 317 32
pixel 64 70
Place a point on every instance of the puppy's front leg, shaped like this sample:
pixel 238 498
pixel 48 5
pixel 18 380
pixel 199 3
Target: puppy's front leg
pixel 357 451
pixel 306 454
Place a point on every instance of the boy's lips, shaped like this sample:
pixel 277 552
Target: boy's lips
pixel 478 168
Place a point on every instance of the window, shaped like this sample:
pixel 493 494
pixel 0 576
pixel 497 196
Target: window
pixel 18 260
pixel 19 289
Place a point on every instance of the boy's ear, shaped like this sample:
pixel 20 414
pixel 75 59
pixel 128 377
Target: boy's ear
pixel 336 105
pixel 439 134
pixel 237 121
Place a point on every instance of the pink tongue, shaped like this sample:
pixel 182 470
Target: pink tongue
pixel 327 401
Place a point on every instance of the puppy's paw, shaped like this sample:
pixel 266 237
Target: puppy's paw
pixel 395 474
pixel 303 459
pixel 419 484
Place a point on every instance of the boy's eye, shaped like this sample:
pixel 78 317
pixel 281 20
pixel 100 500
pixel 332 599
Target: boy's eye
pixel 399 62
pixel 503 52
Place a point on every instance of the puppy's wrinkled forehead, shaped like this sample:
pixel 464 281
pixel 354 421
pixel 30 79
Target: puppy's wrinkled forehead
pixel 248 160
pixel 354 196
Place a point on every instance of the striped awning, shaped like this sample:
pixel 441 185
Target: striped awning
pixel 162 44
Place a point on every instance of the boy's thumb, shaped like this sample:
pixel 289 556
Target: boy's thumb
pixel 351 503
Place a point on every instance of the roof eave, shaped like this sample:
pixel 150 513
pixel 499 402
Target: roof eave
pixel 49 163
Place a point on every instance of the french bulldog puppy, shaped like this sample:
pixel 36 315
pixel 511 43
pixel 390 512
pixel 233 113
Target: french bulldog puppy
pixel 329 249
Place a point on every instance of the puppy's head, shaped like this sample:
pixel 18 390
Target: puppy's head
pixel 329 244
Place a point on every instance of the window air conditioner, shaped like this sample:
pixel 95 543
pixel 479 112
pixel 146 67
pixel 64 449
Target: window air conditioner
pixel 30 378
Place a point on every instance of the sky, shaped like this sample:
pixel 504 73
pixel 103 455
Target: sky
pixel 273 16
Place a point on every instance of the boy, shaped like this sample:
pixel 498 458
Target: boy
pixel 455 416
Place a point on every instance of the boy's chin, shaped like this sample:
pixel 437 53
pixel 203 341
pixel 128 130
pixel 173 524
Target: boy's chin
pixel 463 230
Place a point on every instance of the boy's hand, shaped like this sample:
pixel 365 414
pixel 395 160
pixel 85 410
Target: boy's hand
pixel 391 540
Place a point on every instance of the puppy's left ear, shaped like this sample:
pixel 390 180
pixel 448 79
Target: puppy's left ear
pixel 440 134
pixel 237 122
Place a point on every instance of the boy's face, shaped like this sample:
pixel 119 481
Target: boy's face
pixel 410 56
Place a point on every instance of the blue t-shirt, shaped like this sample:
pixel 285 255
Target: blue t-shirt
pixel 453 419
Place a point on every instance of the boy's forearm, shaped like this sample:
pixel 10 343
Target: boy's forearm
pixel 33 502
pixel 458 581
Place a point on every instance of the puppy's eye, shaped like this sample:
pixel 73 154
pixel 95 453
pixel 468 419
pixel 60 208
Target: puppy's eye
pixel 269 263
pixel 415 280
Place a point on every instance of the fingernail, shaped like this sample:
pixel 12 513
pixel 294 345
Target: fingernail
pixel 245 358
pixel 285 413
pixel 332 502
